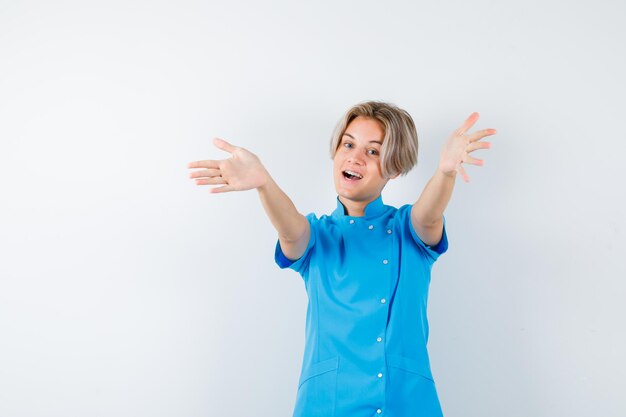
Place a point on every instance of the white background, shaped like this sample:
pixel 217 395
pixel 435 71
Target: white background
pixel 127 290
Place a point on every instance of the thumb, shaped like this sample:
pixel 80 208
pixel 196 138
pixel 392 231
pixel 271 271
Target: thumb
pixel 223 145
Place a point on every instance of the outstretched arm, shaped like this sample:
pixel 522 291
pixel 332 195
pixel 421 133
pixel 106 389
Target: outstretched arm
pixel 427 212
pixel 244 171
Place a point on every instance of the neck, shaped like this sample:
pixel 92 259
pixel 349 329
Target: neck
pixel 355 208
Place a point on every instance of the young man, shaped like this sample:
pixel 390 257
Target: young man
pixel 366 266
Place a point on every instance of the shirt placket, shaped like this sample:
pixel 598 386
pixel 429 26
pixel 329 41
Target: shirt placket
pixel 381 298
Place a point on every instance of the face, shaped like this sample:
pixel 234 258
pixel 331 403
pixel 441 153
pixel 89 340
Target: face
pixel 356 164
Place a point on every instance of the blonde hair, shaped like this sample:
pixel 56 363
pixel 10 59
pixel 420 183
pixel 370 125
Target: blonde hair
pixel 398 154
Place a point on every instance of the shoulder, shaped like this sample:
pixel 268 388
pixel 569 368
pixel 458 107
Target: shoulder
pixel 325 220
pixel 403 223
pixel 392 212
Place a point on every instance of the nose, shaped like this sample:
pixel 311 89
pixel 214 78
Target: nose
pixel 355 158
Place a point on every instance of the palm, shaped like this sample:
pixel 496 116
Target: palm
pixel 459 145
pixel 453 153
pixel 242 171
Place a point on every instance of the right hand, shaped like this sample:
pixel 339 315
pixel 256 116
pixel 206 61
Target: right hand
pixel 242 171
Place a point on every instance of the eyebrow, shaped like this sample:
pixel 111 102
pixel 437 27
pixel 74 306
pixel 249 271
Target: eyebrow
pixel 371 141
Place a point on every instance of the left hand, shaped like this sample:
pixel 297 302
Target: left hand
pixel 458 147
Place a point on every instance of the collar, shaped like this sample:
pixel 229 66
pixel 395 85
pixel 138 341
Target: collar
pixel 373 208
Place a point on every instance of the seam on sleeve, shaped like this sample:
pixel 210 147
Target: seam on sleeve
pixel 433 252
pixel 301 264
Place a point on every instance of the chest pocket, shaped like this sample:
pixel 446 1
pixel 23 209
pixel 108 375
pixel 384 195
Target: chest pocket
pixel 317 390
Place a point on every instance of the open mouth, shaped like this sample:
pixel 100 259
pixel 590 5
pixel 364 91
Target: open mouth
pixel 351 175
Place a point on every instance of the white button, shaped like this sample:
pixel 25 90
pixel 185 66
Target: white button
pixel 379 339
pixel 383 301
pixel 385 261
pixel 389 231
pixel 380 375
pixel 379 411
pixel 351 221
pixel 371 227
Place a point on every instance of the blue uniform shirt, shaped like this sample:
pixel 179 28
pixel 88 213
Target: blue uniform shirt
pixel 367 282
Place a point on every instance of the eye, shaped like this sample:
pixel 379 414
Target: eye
pixel 373 152
pixel 347 144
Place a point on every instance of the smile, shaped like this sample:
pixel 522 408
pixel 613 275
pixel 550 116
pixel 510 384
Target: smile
pixel 351 175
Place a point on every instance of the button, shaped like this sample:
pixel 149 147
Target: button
pixel 385 261
pixel 351 221
pixel 380 375
pixel 383 301
pixel 388 231
pixel 379 339
pixel 379 411
pixel 371 227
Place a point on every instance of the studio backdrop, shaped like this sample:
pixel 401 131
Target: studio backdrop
pixel 127 290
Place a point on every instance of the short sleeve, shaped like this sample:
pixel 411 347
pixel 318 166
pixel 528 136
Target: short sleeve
pixel 434 251
pixel 301 264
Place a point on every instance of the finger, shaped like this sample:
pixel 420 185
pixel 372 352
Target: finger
pixel 481 134
pixel 468 123
pixel 206 173
pixel 211 181
pixel 463 173
pixel 223 145
pixel 222 189
pixel 204 164
pixel 478 145
pixel 473 161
